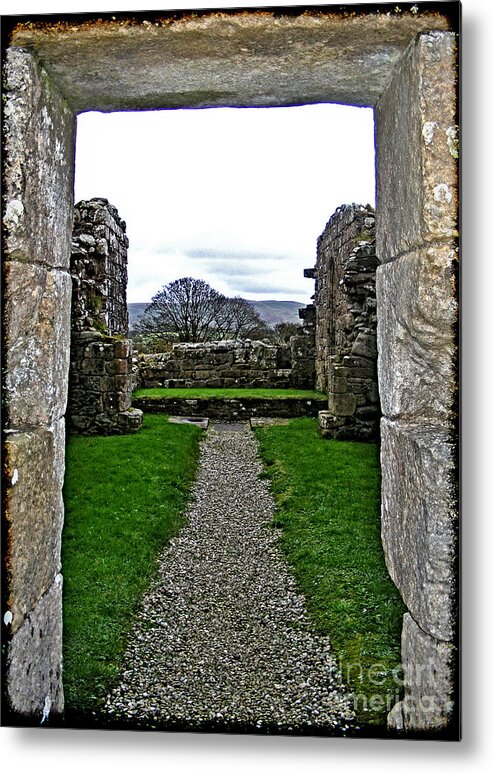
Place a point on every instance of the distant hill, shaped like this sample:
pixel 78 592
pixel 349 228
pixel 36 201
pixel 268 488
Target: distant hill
pixel 135 311
pixel 271 312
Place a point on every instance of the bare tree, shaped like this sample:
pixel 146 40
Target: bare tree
pixel 284 330
pixel 188 308
pixel 239 319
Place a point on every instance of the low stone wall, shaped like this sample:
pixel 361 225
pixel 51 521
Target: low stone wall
pixel 232 409
pixel 222 364
pixel 100 386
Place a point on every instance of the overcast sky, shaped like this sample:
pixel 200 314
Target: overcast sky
pixel 236 197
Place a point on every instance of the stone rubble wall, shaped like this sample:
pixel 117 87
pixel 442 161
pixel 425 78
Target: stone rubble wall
pixel 302 348
pixel 101 386
pixel 99 268
pixel 101 378
pixel 345 326
pixel 233 363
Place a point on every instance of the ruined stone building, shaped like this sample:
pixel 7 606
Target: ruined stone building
pixel 100 380
pixel 346 324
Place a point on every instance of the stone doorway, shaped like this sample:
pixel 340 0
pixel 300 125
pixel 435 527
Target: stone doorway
pixel 401 63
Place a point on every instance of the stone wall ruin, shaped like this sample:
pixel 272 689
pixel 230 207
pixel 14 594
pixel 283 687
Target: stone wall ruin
pixel 405 67
pixel 98 266
pixel 346 324
pixel 100 380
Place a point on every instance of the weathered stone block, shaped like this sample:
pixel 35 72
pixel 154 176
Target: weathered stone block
pixel 416 153
pixel 34 659
pixel 131 420
pixel 372 395
pixel 35 465
pixel 120 367
pixel 122 349
pixel 121 383
pixel 337 378
pixel 39 164
pixel 342 404
pixel 429 677
pixel 368 412
pixel 327 420
pixel 37 341
pixel 91 403
pixel 95 366
pixel 419 522
pixel 363 373
pixel 365 345
pixel 229 61
pixel 416 334
pixel 80 423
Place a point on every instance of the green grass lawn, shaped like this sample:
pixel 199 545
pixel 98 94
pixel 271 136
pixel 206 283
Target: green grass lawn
pixel 328 499
pixel 124 499
pixel 209 393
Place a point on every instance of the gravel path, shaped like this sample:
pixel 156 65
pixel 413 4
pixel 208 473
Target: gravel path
pixel 222 640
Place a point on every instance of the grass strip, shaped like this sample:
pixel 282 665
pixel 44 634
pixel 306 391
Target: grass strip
pixel 212 394
pixel 124 499
pixel 328 507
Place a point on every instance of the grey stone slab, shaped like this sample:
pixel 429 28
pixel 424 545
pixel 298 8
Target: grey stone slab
pixel 35 466
pixel 130 421
pixel 225 58
pixel 342 404
pixel 39 164
pixel 34 660
pixel 365 345
pixel 266 421
pixel 37 343
pixel 228 426
pixel 416 335
pixel 429 682
pixel 416 149
pixel 420 522
pixel 199 421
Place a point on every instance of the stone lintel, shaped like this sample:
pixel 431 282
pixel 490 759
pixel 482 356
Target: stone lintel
pixel 242 58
